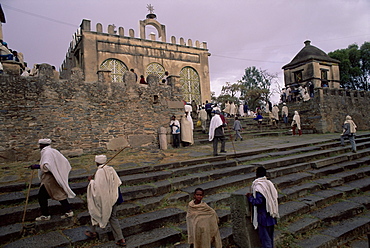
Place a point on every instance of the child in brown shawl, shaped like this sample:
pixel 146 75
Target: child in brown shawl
pixel 202 223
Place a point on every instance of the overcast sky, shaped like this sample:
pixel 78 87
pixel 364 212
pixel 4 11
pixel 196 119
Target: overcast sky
pixel 240 33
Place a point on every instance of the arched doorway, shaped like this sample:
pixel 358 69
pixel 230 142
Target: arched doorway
pixel 155 69
pixel 116 67
pixel 190 84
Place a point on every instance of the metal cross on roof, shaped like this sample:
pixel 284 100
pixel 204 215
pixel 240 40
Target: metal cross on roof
pixel 150 8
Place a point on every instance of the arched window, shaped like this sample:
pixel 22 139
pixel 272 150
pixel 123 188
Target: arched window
pixel 190 84
pixel 155 69
pixel 116 67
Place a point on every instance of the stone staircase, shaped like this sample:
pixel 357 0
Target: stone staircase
pixel 250 129
pixel 324 197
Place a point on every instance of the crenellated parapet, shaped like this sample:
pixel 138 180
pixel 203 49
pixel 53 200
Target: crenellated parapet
pixel 112 30
pixel 95 48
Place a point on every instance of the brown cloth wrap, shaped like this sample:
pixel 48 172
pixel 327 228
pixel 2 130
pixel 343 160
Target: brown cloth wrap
pixel 202 224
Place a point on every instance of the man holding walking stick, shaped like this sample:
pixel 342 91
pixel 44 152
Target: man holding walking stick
pixel 54 169
pixel 103 196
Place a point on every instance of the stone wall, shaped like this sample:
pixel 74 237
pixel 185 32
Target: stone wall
pixel 81 117
pixel 326 112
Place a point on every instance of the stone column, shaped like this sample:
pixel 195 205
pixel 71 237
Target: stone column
pixel 162 132
pixel 244 234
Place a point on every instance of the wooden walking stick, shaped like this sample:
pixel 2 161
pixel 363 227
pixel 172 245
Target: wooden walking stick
pixel 232 141
pixel 112 158
pixel 116 155
pixel 30 228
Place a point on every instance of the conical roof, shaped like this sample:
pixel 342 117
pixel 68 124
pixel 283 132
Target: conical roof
pixel 309 53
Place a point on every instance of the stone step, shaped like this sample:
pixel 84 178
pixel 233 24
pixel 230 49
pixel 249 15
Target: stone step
pixel 305 157
pixel 231 181
pixel 226 238
pixel 144 230
pixel 164 186
pixel 338 211
pixel 81 186
pixel 131 225
pixel 45 240
pixel 304 204
pixel 287 180
pixel 291 179
pixel 284 182
pixel 12 215
pixel 214 201
pixel 158 237
pixel 338 234
pixel 341 158
pixel 315 185
pixel 340 167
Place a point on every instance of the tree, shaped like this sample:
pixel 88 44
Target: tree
pixel 354 66
pixel 255 86
pixel 229 93
pixel 230 89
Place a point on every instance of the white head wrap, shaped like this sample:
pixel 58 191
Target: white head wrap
pixel 45 141
pixel 100 159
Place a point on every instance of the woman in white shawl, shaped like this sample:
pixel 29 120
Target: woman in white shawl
pixel 349 131
pixel 296 123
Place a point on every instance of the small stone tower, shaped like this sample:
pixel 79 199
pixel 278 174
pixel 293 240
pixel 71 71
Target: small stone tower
pixel 312 65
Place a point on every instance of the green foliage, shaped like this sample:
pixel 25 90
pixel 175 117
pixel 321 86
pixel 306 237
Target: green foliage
pixel 354 66
pixel 254 87
pixel 229 93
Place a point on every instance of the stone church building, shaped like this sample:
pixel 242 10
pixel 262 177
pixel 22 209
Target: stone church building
pixel 312 65
pixel 115 51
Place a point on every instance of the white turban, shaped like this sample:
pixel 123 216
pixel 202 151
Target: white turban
pixel 100 159
pixel 45 141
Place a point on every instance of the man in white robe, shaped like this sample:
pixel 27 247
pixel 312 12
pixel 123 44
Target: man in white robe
pixel 216 133
pixel 202 116
pixel 296 123
pixel 103 196
pixel 54 169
